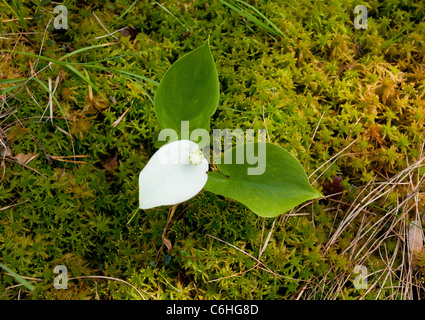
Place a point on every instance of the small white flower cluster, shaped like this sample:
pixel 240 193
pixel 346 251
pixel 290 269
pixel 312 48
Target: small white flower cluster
pixel 196 156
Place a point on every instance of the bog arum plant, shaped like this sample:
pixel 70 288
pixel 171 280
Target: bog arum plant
pixel 189 94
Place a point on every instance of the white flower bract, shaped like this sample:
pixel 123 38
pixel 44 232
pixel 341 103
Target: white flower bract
pixel 174 174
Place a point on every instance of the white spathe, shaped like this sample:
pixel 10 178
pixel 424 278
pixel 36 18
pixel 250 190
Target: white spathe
pixel 174 174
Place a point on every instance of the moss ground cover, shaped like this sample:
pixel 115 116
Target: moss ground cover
pixel 77 125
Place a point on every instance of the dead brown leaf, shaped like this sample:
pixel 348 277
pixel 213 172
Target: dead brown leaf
pixel 5 152
pixel 131 32
pixel 415 240
pixel 167 244
pixel 25 158
pixel 333 187
pixel 111 163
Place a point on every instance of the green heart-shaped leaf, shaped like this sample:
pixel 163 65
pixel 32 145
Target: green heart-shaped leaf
pixel 283 185
pixel 189 91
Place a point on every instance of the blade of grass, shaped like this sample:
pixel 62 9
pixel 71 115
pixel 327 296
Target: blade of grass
pixel 397 37
pixel 40 10
pixel 376 277
pixel 171 14
pixel 3 81
pixel 108 59
pixel 131 76
pixel 127 74
pixel 269 25
pixel 54 98
pixel 62 112
pixel 36 56
pixel 4 91
pixel 78 73
pixel 122 72
pixel 140 85
pixel 17 12
pixel 85 49
pixel 69 65
pixel 279 32
pixel 133 215
pixel 61 63
pixel 19 279
pixel 125 12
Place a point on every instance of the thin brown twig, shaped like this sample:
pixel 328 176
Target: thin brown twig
pixel 315 130
pixel 164 232
pixel 13 205
pixel 116 122
pixel 109 33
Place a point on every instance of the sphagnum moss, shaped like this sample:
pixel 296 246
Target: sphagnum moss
pixel 365 86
